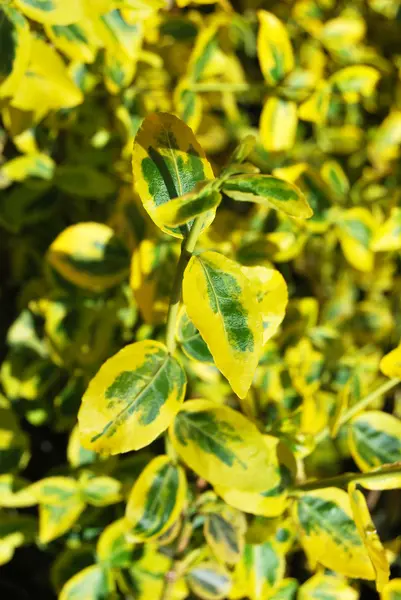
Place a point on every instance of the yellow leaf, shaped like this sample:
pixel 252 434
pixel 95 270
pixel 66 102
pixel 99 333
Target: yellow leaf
pixel 278 124
pixel 390 364
pixel 55 12
pixel 223 447
pixel 222 305
pixel 15 49
pixel 132 399
pixel 275 53
pixel 329 535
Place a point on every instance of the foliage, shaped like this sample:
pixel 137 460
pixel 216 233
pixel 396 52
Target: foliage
pixel 200 218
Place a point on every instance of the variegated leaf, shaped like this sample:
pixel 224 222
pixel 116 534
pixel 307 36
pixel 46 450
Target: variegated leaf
pixel 278 124
pixel 375 439
pixel 156 500
pixel 190 340
pixel 223 446
pixel 209 581
pixel 222 305
pixel 275 52
pixel 167 162
pixel 132 399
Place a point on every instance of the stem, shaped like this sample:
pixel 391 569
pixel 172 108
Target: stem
pixel 216 86
pixel 343 480
pixel 359 406
pixel 187 248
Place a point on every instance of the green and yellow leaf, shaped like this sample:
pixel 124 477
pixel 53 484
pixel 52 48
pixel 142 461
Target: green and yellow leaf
pixel 269 191
pixel 392 591
pixel 275 52
pixel 278 124
pixel 223 446
pixel 56 12
pixel 224 532
pixel 190 340
pixel 185 208
pixel 322 587
pixel 156 500
pixel 167 162
pixel 355 81
pixel 132 399
pixel 390 364
pixel 375 439
pixel 90 256
pixel 33 165
pixel 260 571
pixel 220 302
pixel 101 491
pixel 388 235
pixel 114 549
pixel 15 531
pixel 329 535
pixel 92 583
pixel 209 581
pixel 355 231
pixel 15 49
pixel 368 533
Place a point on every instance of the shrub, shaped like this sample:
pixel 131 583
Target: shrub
pixel 199 380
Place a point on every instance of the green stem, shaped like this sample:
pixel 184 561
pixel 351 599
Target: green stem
pixel 187 248
pixel 344 479
pixel 359 406
pixel 216 86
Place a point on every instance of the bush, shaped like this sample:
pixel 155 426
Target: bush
pixel 199 376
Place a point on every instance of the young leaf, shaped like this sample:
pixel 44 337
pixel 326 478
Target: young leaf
pixel 90 256
pixel 190 339
pixel 223 446
pixel 156 500
pixel 92 583
pixel 209 581
pixel 375 439
pixel 220 302
pixel 278 124
pixel 167 162
pixel 132 399
pixel 329 535
pixel 368 533
pixel 270 191
pixel 275 53
pixel 224 532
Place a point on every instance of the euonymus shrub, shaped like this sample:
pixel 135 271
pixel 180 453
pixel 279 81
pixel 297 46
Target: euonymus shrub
pixel 231 358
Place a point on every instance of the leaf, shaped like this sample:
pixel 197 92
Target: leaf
pixel 355 230
pixel 55 12
pixel 101 491
pixel 387 138
pixel 152 273
pixel 224 532
pixel 209 581
pixel 322 587
pixel 273 501
pixel 384 478
pixel 392 591
pixel 114 550
pixel 368 533
pixel 14 443
pixel 375 439
pixel 156 500
pixel 84 181
pixel 356 80
pixel 92 583
pixel 15 492
pixel 46 84
pixel 222 446
pixel 190 339
pixel 183 209
pixel 261 570
pixel 167 162
pixel 275 53
pixel 33 165
pixel 329 535
pixel 15 49
pixel 77 40
pixel 221 304
pixel 269 191
pixel 90 256
pixel 132 399
pixel 278 124
pixel 60 505
pixel 15 531
pixel 286 590
pixel 390 364
pixel 336 178
pixel 387 237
